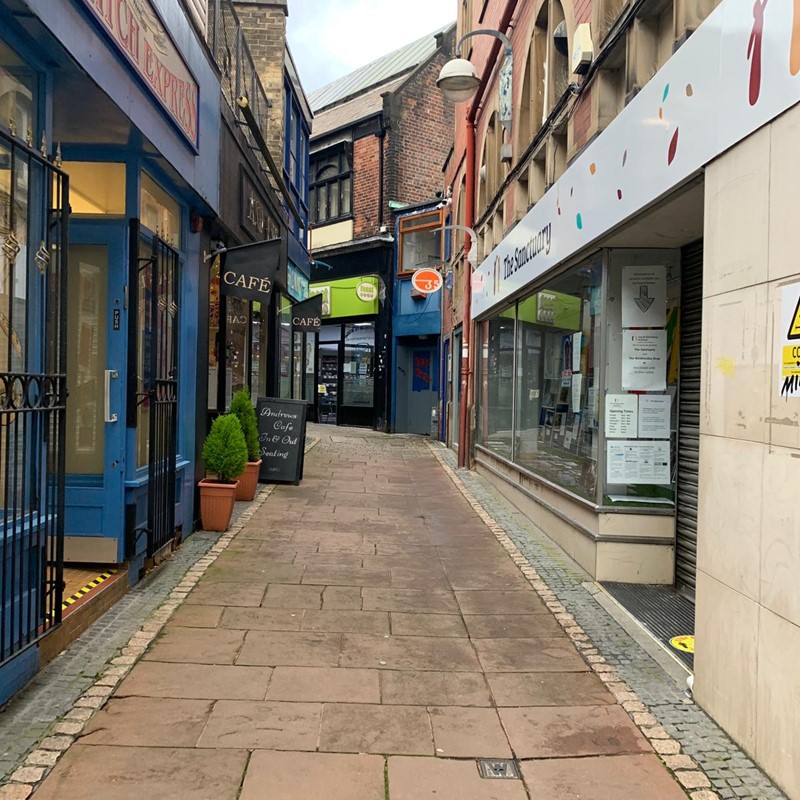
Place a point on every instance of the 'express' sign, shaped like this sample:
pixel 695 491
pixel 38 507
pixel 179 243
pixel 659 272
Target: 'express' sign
pixel 136 29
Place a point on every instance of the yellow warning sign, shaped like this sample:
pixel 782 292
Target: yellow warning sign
pixel 794 324
pixel 790 361
pixel 683 643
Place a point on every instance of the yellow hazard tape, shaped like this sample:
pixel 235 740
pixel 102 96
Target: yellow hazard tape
pixel 93 584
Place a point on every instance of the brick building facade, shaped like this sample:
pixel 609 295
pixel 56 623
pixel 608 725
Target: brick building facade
pixel 379 141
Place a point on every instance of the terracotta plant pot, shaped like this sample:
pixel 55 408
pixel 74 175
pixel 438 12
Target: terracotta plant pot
pixel 216 504
pixel 248 481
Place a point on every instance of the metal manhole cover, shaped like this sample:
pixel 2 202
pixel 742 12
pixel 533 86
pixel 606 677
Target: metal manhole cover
pixel 501 768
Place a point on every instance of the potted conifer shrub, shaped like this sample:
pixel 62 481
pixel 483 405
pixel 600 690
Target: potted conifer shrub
pixel 224 454
pixel 243 408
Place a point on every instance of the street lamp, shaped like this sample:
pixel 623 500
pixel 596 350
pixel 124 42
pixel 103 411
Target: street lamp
pixel 459 81
pixel 472 255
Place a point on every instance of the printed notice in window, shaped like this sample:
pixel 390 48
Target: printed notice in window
pixel 622 416
pixel 654 416
pixel 631 462
pixel 644 361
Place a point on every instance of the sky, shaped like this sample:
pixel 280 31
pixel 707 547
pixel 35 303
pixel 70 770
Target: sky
pixel 329 38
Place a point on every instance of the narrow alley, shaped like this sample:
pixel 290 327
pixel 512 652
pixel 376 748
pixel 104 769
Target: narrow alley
pixel 364 635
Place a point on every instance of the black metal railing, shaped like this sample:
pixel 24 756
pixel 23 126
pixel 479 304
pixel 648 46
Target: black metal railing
pixel 239 76
pixel 34 212
pixel 163 396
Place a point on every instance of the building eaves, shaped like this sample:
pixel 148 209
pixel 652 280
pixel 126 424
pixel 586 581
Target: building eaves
pixel 352 111
pixel 397 62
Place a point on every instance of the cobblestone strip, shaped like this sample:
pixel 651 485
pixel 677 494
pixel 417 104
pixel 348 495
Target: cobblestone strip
pixel 744 781
pixel 40 761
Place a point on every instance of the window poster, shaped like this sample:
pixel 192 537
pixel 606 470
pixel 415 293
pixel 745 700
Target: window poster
pixel 637 461
pixel 644 361
pixel 644 296
pixel 655 416
pixel 622 416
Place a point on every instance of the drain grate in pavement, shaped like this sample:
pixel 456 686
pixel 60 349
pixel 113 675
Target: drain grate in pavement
pixel 502 768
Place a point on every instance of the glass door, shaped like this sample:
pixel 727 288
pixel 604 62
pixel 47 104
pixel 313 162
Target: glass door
pixel 95 424
pixel 358 374
pixel 328 389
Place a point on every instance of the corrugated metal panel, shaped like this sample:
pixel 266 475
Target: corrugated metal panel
pixel 376 72
pixel 689 414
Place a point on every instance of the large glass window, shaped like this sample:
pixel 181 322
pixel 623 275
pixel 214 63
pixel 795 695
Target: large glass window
pixel 641 409
pixel 236 346
pixel 539 367
pixel 159 211
pixel 258 357
pixel 96 188
pixel 285 347
pixel 421 240
pixel 18 95
pixel 331 185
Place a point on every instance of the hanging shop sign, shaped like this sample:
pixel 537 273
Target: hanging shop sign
pixel 307 316
pixel 713 92
pixel 136 29
pixel 249 271
pixel 427 280
pixel 789 377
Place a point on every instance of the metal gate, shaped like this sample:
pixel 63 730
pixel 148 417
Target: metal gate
pixel 159 287
pixel 689 415
pixel 33 256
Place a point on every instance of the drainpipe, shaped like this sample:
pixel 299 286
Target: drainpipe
pixel 464 406
pixel 467 351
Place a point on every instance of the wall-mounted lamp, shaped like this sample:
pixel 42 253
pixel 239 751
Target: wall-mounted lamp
pixel 459 79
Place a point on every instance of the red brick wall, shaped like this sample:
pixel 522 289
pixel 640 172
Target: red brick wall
pixel 582 120
pixel 420 137
pixel 366 173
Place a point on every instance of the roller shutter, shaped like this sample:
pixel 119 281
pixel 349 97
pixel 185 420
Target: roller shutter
pixel 689 415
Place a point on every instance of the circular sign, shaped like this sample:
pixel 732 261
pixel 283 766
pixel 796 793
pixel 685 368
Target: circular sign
pixel 683 643
pixel 427 280
pixel 366 291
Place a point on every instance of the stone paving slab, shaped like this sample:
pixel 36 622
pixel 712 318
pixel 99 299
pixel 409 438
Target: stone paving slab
pixel 133 773
pixel 314 776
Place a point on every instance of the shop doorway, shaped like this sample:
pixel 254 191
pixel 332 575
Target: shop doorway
pixel 455 389
pixel 417 385
pixel 96 345
pixel 330 338
pixel 358 375
pixel 154 373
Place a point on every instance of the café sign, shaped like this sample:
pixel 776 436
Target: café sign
pixel 138 32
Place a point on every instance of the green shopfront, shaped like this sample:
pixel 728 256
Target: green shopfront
pixel 351 380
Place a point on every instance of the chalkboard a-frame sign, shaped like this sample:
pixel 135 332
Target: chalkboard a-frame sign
pixel 281 438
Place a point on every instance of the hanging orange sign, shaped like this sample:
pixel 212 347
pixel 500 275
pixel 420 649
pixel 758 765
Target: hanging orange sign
pixel 427 280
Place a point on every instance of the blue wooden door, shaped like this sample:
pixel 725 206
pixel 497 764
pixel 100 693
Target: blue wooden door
pixel 96 376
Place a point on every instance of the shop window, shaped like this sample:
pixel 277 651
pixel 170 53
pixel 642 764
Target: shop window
pixel 538 373
pixel 159 211
pixel 258 351
pixel 237 328
pixel 641 378
pixel 285 347
pixel 18 95
pixel 96 188
pixel 213 333
pixel 331 187
pixel 421 240
pixel 358 369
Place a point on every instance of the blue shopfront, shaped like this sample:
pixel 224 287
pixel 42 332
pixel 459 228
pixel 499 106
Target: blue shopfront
pixel 119 102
